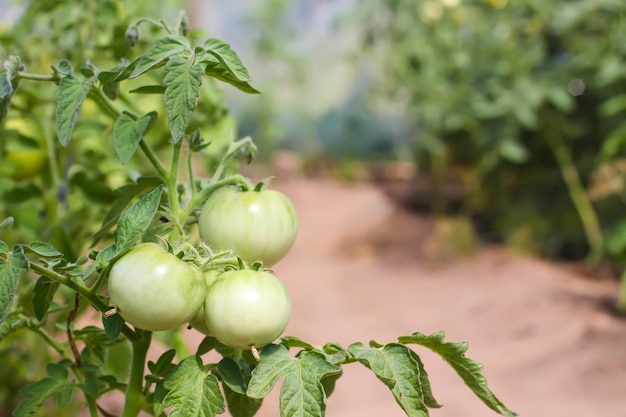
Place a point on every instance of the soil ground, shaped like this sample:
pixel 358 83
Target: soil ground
pixel 363 268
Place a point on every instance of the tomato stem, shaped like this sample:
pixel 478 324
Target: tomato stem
pixel 135 400
pixel 232 150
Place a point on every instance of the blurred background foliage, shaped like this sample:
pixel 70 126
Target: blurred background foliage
pixel 514 113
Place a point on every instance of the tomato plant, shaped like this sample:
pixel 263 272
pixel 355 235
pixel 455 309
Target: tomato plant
pixel 259 225
pixel 247 308
pixel 141 288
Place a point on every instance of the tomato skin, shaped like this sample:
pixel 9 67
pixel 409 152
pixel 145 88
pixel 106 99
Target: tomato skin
pixel 256 225
pixel 27 163
pixel 247 308
pixel 198 321
pixel 154 290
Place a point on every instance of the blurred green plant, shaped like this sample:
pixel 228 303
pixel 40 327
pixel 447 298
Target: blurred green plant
pixel 518 101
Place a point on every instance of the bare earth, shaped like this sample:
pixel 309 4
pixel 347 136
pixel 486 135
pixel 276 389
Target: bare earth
pixel 548 345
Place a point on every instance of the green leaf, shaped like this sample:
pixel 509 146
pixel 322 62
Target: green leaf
pixel 240 405
pixel 149 89
pixel 227 57
pixel 394 365
pixel 182 89
pixel 192 391
pixel 10 326
pixel 302 393
pixel 4 248
pixel 22 193
pixel 216 70
pixel 163 365
pixel 468 369
pixel 208 344
pixel 136 219
pixel 113 326
pixel 37 393
pixel 69 97
pixel 124 196
pixel 10 271
pixel 8 83
pixel 231 375
pixel 43 293
pixel 162 50
pixel 128 132
pixel 6 223
pixel 43 249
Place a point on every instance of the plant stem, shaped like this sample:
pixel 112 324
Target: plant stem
pixel 37 77
pixel 232 150
pixel 621 298
pixel 172 180
pixel 103 101
pixel 134 396
pixel 586 212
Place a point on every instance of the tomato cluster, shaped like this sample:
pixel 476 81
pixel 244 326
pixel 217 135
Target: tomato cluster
pixel 153 289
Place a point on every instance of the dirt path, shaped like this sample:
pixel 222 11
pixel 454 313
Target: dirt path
pixel 547 346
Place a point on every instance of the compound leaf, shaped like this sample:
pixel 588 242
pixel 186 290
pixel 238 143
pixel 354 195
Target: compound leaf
pixel 69 97
pixel 37 393
pixel 302 393
pixel 10 271
pixel 394 365
pixel 136 219
pixel 182 89
pixel 192 392
pixel 43 249
pixel 157 54
pixel 43 293
pixel 468 369
pixel 128 132
pixel 227 57
pixel 215 69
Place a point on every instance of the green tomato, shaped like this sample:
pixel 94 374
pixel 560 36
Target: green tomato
pixel 256 225
pixel 247 308
pixel 26 163
pixel 154 290
pixel 198 322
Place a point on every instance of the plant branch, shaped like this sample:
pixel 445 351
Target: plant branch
pixel 37 77
pixel 135 400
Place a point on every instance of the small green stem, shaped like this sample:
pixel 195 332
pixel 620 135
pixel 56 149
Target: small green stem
pixel 37 77
pixel 586 212
pixel 51 342
pixel 103 101
pixel 135 400
pixel 232 150
pixel 93 299
pixel 206 192
pixel 172 180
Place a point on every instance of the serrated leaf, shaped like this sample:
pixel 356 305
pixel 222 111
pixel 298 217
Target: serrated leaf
pixel 468 369
pixel 113 326
pixel 192 392
pixel 43 293
pixel 302 393
pixel 182 89
pixel 164 364
pixel 162 50
pixel 4 248
pixel 37 393
pixel 231 375
pixel 43 249
pixel 6 223
pixel 69 97
pixel 240 405
pixel 216 70
pixel 227 57
pixel 394 365
pixel 136 219
pixel 124 196
pixel 10 271
pixel 127 133
pixel 11 67
pixel 10 326
pixel 149 89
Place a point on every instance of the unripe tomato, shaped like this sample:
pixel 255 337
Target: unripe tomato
pixel 154 290
pixel 26 163
pixel 198 321
pixel 256 225
pixel 247 308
